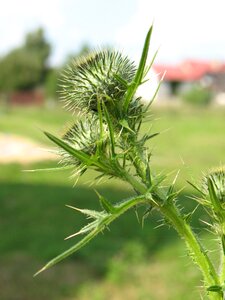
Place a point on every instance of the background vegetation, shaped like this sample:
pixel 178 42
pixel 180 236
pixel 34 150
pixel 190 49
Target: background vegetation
pixel 197 95
pixel 127 262
pixel 25 67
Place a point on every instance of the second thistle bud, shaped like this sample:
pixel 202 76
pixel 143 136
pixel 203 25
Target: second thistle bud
pixel 84 136
pixel 214 184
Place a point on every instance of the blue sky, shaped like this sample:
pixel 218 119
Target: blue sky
pixel 182 29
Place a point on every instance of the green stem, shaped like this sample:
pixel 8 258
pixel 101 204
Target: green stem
pixel 137 185
pixel 139 163
pixel 197 251
pixel 198 254
pixel 222 263
pixel 222 276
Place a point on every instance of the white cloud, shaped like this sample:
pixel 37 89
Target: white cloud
pixel 18 18
pixel 182 28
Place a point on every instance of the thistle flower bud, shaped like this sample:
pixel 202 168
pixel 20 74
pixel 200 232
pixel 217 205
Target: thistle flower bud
pixel 84 135
pixel 102 75
pixel 217 178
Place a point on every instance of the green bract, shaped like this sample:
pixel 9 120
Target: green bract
pixel 217 177
pixel 83 136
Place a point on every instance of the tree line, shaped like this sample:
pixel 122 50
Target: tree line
pixel 27 67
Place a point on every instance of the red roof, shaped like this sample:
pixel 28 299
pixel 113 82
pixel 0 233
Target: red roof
pixel 189 70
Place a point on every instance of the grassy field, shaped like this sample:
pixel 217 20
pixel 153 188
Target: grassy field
pixel 127 262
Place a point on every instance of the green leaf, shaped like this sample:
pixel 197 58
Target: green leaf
pixel 100 118
pixel 214 199
pixel 147 137
pixel 83 230
pixel 100 142
pixel 187 217
pixel 157 180
pixel 140 71
pixel 214 288
pixel 125 124
pixel 111 130
pixel 148 173
pixel 49 169
pixel 102 220
pixel 171 188
pixel 171 197
pixel 121 80
pixel 223 243
pixel 150 65
pixel 106 205
pixel 150 136
pixel 71 250
pixel 90 213
pixel 146 214
pixel 80 155
pixel 195 187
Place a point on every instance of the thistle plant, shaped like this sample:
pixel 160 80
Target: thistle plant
pixel 102 87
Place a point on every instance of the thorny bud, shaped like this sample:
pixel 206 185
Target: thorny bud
pixel 217 178
pixel 84 135
pixel 100 76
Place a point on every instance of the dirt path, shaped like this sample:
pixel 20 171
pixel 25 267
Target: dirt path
pixel 22 150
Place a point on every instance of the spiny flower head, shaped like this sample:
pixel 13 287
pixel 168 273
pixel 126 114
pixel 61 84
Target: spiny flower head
pixel 84 135
pixel 100 76
pixel 217 178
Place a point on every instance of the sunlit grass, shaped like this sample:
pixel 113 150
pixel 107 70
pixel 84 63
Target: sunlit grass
pixel 191 139
pixel 34 220
pixel 30 121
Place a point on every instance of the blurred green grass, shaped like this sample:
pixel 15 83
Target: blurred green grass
pixel 31 121
pixel 127 261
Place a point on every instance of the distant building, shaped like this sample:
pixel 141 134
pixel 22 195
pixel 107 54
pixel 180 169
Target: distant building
pixel 32 97
pixel 182 76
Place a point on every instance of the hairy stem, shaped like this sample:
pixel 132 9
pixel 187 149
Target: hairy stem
pixel 222 262
pixel 139 163
pixel 198 253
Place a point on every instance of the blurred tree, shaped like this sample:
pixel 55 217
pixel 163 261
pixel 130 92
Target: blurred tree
pixel 51 84
pixel 53 75
pixel 197 95
pixel 25 67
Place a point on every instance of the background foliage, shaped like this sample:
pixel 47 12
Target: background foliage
pixel 26 66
